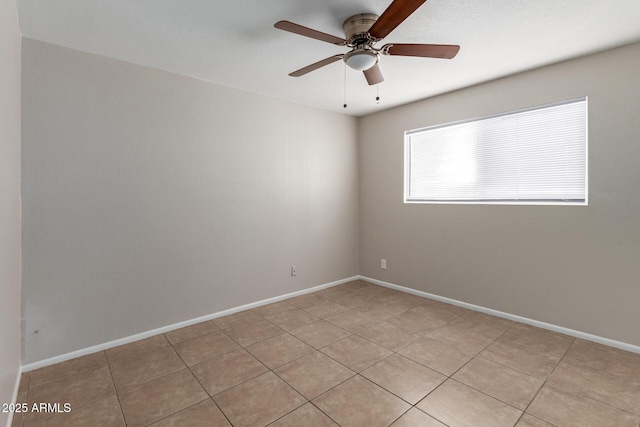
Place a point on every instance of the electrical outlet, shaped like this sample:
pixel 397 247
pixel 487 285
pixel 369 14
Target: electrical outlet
pixel 383 263
pixel 293 270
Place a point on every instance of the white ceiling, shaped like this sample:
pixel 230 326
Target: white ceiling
pixel 234 43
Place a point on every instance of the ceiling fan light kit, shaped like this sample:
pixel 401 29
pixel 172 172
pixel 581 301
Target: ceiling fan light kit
pixel 361 60
pixel 364 30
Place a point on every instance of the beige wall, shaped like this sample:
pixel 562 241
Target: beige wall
pixel 151 198
pixel 576 267
pixel 9 201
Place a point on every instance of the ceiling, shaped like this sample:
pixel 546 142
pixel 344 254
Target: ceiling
pixel 234 43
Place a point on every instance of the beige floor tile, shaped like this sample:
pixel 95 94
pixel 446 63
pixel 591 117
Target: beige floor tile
pixel 304 301
pixel 250 333
pixel 456 405
pixel 374 291
pixel 485 324
pixel 387 335
pixel 531 421
pixel 381 311
pixel 25 378
pixel 352 299
pixel 468 336
pixel 320 334
pixel 616 390
pixel 530 362
pixel 246 316
pixel 331 292
pixel 279 350
pixel 104 412
pixel 203 414
pixel 440 356
pixel 136 348
pixel 416 418
pixel 79 365
pixel 356 353
pixel 352 320
pixel 354 285
pixel 20 399
pixel 326 308
pixel 204 347
pixel 506 384
pixel 190 332
pixel 404 378
pixel 230 369
pixel 344 291
pixel 404 299
pixel 314 374
pixel 291 319
pixel 412 322
pixel 22 396
pixel 537 339
pixel 609 359
pixel 259 401
pixel 78 390
pixel 272 308
pixel 132 372
pixel 562 408
pixel 159 398
pixel 440 311
pixel 305 416
pixel 358 402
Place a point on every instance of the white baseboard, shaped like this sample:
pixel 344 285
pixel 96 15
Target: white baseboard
pixel 147 334
pixel 126 340
pixel 551 327
pixel 14 399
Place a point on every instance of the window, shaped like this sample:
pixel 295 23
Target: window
pixel 531 156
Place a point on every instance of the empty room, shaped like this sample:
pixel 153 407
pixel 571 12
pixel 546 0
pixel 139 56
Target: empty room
pixel 340 213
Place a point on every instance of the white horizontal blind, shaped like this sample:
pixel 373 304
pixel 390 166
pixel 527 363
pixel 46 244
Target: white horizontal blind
pixel 532 156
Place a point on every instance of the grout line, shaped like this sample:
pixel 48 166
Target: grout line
pixel 113 381
pixel 177 412
pixel 392 353
pixel 520 319
pixel 72 375
pixel 479 352
pixel 322 412
pixel 577 393
pixel 269 370
pixel 448 323
pixel 450 377
pixel 549 376
pixel 198 380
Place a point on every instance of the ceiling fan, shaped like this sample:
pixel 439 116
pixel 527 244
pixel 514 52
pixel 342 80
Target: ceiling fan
pixel 362 32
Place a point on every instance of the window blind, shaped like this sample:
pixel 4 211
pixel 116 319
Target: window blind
pixel 538 155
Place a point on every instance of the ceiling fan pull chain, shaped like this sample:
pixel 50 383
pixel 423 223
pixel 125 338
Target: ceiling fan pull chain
pixel 345 86
pixel 378 93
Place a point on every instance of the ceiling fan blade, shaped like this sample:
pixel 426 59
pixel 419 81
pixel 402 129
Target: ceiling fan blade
pixel 308 32
pixel 374 75
pixel 316 65
pixel 446 51
pixel 398 11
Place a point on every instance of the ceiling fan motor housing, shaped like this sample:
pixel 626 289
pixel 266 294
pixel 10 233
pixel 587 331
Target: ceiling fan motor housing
pixel 356 29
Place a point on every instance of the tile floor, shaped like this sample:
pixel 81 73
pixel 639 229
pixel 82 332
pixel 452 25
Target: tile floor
pixel 352 355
